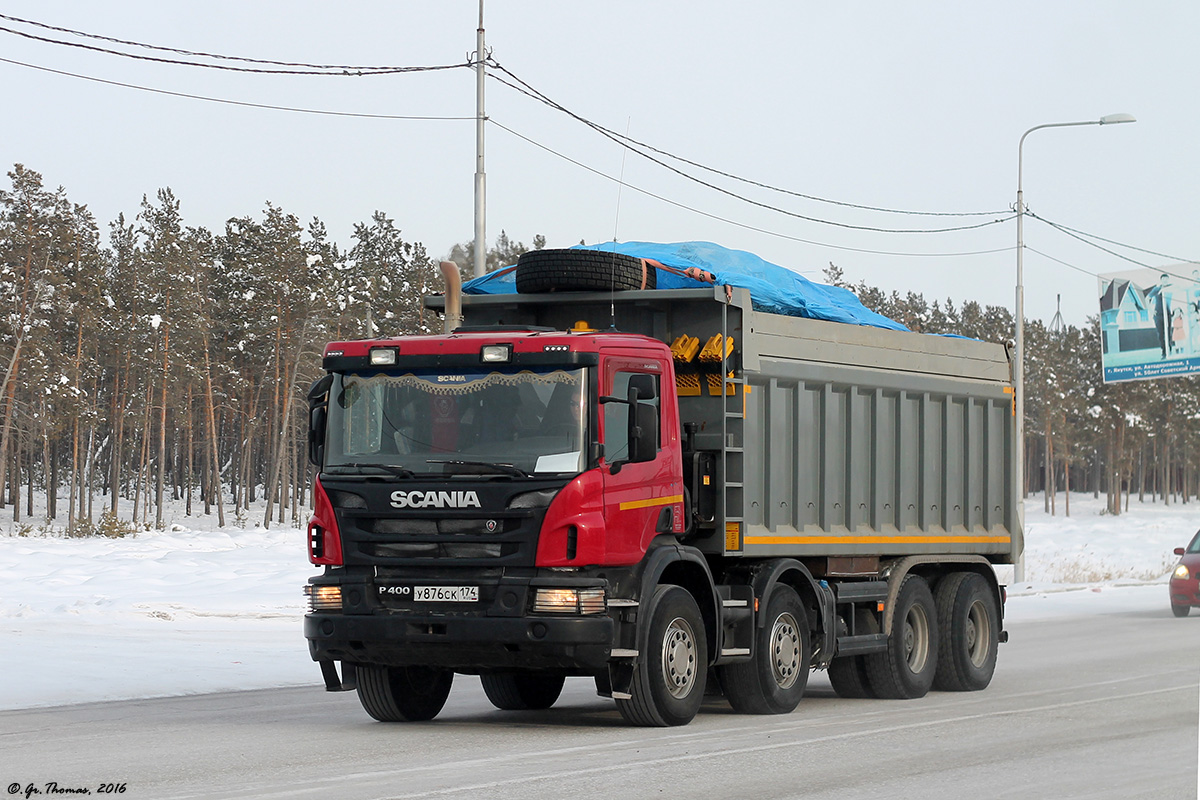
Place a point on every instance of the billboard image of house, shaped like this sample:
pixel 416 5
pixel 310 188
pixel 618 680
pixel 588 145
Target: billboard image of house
pixel 1150 323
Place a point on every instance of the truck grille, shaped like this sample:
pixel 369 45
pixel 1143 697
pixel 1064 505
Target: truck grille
pixel 490 534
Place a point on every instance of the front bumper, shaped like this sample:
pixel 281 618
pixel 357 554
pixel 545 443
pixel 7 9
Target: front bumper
pixel 380 622
pixel 1185 592
pixel 462 643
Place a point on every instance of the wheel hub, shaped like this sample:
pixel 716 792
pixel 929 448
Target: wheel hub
pixel 679 658
pixel 785 651
pixel 916 639
pixel 978 634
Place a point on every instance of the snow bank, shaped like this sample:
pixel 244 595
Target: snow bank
pixel 200 609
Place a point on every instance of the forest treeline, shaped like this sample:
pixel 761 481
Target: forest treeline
pixel 153 361
pixel 158 361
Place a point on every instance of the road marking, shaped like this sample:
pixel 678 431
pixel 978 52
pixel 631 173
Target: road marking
pixel 575 771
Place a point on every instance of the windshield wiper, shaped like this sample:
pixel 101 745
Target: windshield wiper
pixel 505 469
pixel 399 472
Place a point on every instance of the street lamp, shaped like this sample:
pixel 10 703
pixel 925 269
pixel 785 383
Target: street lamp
pixel 1019 371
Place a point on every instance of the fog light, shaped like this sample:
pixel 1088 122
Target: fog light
pixel 568 601
pixel 496 353
pixel 383 356
pixel 323 598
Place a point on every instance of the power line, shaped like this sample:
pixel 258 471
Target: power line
pixel 628 143
pixel 1064 263
pixel 360 115
pixel 1088 242
pixel 1098 275
pixel 743 225
pixel 1062 227
pixel 97 36
pixel 226 101
pixel 326 70
pixel 744 199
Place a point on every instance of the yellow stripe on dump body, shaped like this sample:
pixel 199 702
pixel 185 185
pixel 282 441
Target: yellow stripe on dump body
pixel 653 501
pixel 878 539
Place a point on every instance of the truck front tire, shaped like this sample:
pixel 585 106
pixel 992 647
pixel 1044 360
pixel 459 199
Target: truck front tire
pixel 403 694
pixel 969 634
pixel 905 670
pixel 522 691
pixel 668 681
pixel 775 678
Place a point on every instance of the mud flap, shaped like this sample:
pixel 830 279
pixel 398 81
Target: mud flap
pixel 620 677
pixel 347 683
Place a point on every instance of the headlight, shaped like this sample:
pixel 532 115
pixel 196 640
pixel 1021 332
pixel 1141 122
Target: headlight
pixel 323 598
pixel 568 601
pixel 1182 573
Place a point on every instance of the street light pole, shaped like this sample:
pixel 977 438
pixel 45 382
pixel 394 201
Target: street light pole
pixel 1019 367
pixel 480 261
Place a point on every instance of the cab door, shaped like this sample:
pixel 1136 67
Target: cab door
pixel 643 491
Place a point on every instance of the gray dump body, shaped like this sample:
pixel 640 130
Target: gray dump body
pixel 829 439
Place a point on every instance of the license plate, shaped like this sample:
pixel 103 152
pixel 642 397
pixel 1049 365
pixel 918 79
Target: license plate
pixel 446 594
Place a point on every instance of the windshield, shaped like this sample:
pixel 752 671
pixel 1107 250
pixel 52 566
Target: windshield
pixel 516 422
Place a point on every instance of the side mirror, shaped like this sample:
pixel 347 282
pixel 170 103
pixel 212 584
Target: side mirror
pixel 318 403
pixel 316 435
pixel 319 391
pixel 1179 551
pixel 643 433
pixel 645 385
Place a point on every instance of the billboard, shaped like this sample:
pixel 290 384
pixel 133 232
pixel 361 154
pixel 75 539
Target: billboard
pixel 1150 323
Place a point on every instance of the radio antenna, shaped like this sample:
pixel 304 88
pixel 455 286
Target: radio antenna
pixel 612 290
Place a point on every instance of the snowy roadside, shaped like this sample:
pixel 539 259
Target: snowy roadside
pixel 198 609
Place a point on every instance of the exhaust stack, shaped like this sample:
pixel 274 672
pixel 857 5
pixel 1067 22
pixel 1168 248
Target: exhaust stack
pixel 453 279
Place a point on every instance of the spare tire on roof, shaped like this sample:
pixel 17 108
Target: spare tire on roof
pixel 582 271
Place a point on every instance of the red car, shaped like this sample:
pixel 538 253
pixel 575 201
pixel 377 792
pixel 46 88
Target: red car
pixel 1185 581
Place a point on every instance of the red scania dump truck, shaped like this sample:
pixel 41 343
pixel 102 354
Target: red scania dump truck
pixel 664 490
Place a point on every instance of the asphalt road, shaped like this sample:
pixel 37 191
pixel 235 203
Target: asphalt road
pixel 1097 707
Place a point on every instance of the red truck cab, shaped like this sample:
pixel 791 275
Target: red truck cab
pixel 483 499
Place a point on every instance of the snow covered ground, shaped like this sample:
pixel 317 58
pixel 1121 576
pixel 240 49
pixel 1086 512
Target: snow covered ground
pixel 199 609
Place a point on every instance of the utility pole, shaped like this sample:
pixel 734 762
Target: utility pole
pixel 480 179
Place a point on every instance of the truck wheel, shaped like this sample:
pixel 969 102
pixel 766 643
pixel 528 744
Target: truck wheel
pixel 400 694
pixel 906 668
pixel 582 271
pixel 668 681
pixel 968 632
pixel 848 674
pixel 521 691
pixel 773 681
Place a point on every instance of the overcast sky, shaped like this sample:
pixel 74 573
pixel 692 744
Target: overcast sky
pixel 915 107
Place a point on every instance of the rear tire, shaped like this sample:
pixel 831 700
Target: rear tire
pixel 668 680
pixel 403 694
pixel 968 633
pixel 1180 611
pixel 582 271
pixel 522 691
pixel 848 674
pixel 905 670
pixel 774 680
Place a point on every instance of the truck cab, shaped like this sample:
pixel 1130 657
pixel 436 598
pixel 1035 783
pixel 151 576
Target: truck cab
pixel 485 498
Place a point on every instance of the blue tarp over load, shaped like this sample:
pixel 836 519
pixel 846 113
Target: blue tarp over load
pixel 773 288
